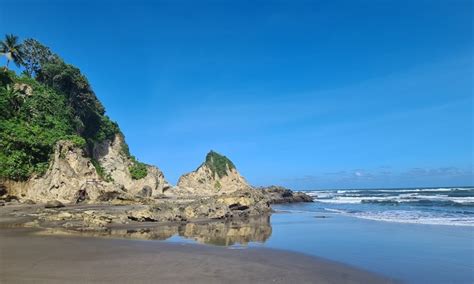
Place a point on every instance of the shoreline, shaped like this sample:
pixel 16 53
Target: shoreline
pixel 72 259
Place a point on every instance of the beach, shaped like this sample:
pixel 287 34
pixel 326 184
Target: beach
pixel 326 241
pixel 30 258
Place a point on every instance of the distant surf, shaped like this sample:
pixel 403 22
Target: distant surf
pixel 436 206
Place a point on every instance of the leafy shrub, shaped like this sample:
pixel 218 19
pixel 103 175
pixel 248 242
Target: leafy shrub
pixel 78 141
pixel 138 170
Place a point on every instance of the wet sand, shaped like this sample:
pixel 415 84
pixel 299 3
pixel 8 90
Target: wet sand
pixel 30 258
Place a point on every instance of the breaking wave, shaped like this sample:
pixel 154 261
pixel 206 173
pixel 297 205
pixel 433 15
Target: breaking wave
pixel 435 206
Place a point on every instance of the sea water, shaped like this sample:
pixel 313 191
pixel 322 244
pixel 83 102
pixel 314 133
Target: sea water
pixel 414 235
pixel 422 235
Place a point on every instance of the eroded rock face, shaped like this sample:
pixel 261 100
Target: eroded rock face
pixel 110 155
pixel 72 177
pixel 217 175
pixel 68 172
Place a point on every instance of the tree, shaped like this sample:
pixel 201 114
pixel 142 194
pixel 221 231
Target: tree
pixel 12 49
pixel 36 56
pixel 87 109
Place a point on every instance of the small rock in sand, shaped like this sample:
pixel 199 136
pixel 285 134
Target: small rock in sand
pixel 53 204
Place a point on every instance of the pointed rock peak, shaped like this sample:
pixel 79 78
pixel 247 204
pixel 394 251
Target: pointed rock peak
pixel 218 163
pixel 216 175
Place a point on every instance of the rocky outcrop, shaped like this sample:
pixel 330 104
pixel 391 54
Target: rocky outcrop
pixel 116 164
pixel 72 176
pixel 217 175
pixel 241 204
pixel 114 221
pixel 279 194
pixel 69 171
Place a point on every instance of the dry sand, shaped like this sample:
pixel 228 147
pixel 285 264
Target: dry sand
pixel 30 258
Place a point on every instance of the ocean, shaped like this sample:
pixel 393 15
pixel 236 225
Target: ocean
pixel 435 206
pixel 412 235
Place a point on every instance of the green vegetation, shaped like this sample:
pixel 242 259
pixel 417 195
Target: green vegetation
pixel 50 101
pixel 138 170
pixel 101 171
pixel 30 126
pixel 218 163
pixel 36 55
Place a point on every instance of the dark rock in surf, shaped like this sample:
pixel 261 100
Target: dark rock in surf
pixel 279 195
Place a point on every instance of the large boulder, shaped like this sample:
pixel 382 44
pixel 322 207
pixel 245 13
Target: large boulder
pixel 215 176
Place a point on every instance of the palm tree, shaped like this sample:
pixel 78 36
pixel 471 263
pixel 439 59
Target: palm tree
pixel 12 49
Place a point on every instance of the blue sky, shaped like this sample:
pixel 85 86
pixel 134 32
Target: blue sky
pixel 307 94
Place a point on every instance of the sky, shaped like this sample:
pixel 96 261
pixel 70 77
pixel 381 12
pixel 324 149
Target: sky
pixel 305 94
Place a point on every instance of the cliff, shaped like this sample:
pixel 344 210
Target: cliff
pixel 56 141
pixel 72 173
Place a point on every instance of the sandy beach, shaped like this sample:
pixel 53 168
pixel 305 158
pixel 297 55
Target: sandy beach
pixel 29 258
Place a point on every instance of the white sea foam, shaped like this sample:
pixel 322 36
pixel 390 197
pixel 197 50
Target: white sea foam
pixel 399 196
pixel 356 200
pixel 409 217
pixel 333 192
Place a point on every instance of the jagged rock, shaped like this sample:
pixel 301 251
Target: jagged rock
pixel 162 212
pixel 115 162
pixel 244 203
pixel 279 194
pixel 68 172
pixel 217 175
pixel 72 177
pixel 142 215
pixel 53 204
pixel 248 202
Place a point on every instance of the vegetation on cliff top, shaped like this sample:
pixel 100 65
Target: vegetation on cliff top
pixel 50 101
pixel 218 163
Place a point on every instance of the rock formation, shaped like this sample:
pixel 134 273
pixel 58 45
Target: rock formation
pixel 215 176
pixel 279 194
pixel 116 164
pixel 71 173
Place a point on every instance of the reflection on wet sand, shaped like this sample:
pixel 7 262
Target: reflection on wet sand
pixel 219 232
pixel 229 233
